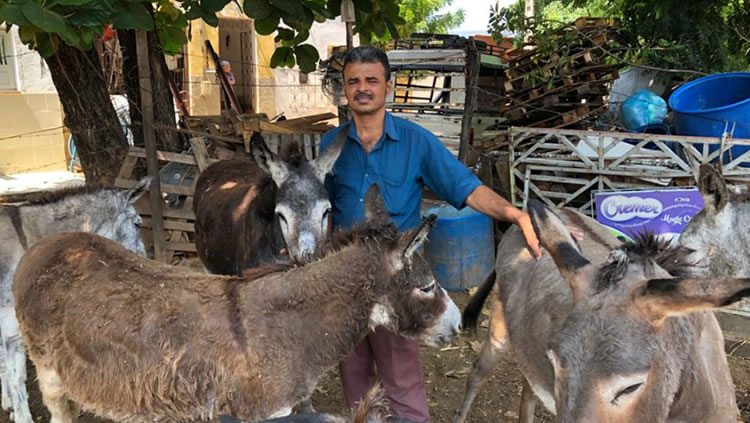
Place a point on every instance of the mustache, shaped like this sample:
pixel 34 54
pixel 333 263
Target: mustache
pixel 363 95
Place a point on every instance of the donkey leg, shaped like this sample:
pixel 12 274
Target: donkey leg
pixel 528 403
pixel 15 366
pixel 62 409
pixel 305 406
pixel 495 344
pixel 6 403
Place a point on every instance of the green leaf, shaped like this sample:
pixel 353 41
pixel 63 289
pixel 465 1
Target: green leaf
pixel 363 5
pixel 334 7
pixel 288 6
pixel 68 3
pixel 132 16
pixel 94 15
pixel 46 44
pixel 307 57
pixel 279 56
pixel 211 19
pixel 392 29
pixel 43 18
pixel 257 9
pixel 284 34
pixel 268 25
pixel 13 14
pixel 320 10
pixel 301 37
pixel 213 6
pixel 27 33
pixel 172 39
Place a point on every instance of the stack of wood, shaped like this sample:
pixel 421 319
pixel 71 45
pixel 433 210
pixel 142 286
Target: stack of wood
pixel 563 88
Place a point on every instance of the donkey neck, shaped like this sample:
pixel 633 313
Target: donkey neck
pixel 325 306
pixel 77 213
pixel 267 239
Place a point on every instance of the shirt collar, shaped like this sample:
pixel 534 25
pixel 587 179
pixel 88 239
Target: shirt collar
pixel 390 129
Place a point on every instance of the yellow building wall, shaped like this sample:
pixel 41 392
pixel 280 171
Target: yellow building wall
pixel 39 150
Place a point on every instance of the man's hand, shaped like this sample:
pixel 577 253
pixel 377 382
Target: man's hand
pixel 524 222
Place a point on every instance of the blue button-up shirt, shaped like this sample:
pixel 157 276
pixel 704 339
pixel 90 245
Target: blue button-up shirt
pixel 405 159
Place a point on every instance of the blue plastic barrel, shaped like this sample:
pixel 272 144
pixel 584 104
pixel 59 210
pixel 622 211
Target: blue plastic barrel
pixel 461 247
pixel 704 107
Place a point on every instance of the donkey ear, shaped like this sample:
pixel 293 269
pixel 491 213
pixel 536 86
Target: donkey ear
pixel 410 242
pixel 324 163
pixel 661 298
pixel 565 251
pixel 713 189
pixel 375 210
pixel 134 193
pixel 267 160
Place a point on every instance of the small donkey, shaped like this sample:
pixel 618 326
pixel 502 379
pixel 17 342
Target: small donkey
pixel 102 211
pixel 134 340
pixel 247 212
pixel 618 335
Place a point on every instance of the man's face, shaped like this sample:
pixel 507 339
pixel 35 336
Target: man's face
pixel 365 87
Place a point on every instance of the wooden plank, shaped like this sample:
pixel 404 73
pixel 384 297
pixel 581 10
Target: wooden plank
pixel 199 134
pixel 187 247
pixel 200 153
pixel 163 156
pixel 149 135
pixel 172 225
pixel 472 79
pixel 126 170
pixel 144 209
pixel 169 188
pixel 306 120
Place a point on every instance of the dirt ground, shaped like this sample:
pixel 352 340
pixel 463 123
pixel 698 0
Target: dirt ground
pixel 446 371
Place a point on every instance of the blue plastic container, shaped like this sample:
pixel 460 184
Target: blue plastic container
pixel 704 106
pixel 461 247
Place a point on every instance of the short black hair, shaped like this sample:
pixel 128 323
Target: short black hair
pixel 368 54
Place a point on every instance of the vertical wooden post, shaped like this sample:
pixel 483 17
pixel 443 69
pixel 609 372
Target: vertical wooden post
pixel 471 70
pixel 149 136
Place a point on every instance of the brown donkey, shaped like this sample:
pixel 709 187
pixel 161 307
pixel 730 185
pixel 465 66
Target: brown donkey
pixel 135 340
pixel 246 212
pixel 622 333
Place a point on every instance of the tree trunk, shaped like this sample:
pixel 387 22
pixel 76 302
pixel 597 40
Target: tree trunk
pixel 89 114
pixel 164 111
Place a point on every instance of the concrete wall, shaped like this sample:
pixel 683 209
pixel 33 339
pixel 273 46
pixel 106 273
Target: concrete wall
pixel 31 136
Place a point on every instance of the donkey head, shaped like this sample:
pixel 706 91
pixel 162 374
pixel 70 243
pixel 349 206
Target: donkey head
pixel 620 354
pixel 113 216
pixel 408 299
pixel 719 234
pixel 302 206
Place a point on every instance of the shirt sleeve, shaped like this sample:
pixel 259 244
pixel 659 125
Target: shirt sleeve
pixel 445 175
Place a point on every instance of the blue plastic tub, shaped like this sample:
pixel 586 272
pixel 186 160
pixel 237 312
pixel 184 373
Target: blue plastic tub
pixel 704 107
pixel 461 247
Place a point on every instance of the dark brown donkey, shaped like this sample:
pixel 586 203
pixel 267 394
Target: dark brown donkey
pixel 135 340
pixel 247 212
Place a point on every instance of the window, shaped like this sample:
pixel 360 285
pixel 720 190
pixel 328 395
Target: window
pixel 7 62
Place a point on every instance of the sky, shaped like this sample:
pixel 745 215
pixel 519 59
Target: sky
pixel 477 14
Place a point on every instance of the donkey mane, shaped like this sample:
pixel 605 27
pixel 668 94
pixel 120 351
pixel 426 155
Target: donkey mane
pixel 359 234
pixel 57 195
pixel 646 250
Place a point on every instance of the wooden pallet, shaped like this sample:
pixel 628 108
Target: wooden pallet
pixel 179 222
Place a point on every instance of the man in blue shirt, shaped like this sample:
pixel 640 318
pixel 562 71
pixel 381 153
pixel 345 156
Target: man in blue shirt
pixel 400 157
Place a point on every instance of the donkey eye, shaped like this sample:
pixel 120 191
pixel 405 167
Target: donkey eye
pixel 428 289
pixel 627 391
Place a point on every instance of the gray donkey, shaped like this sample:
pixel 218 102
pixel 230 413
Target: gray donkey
pixel 718 234
pixel 619 334
pixel 103 211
